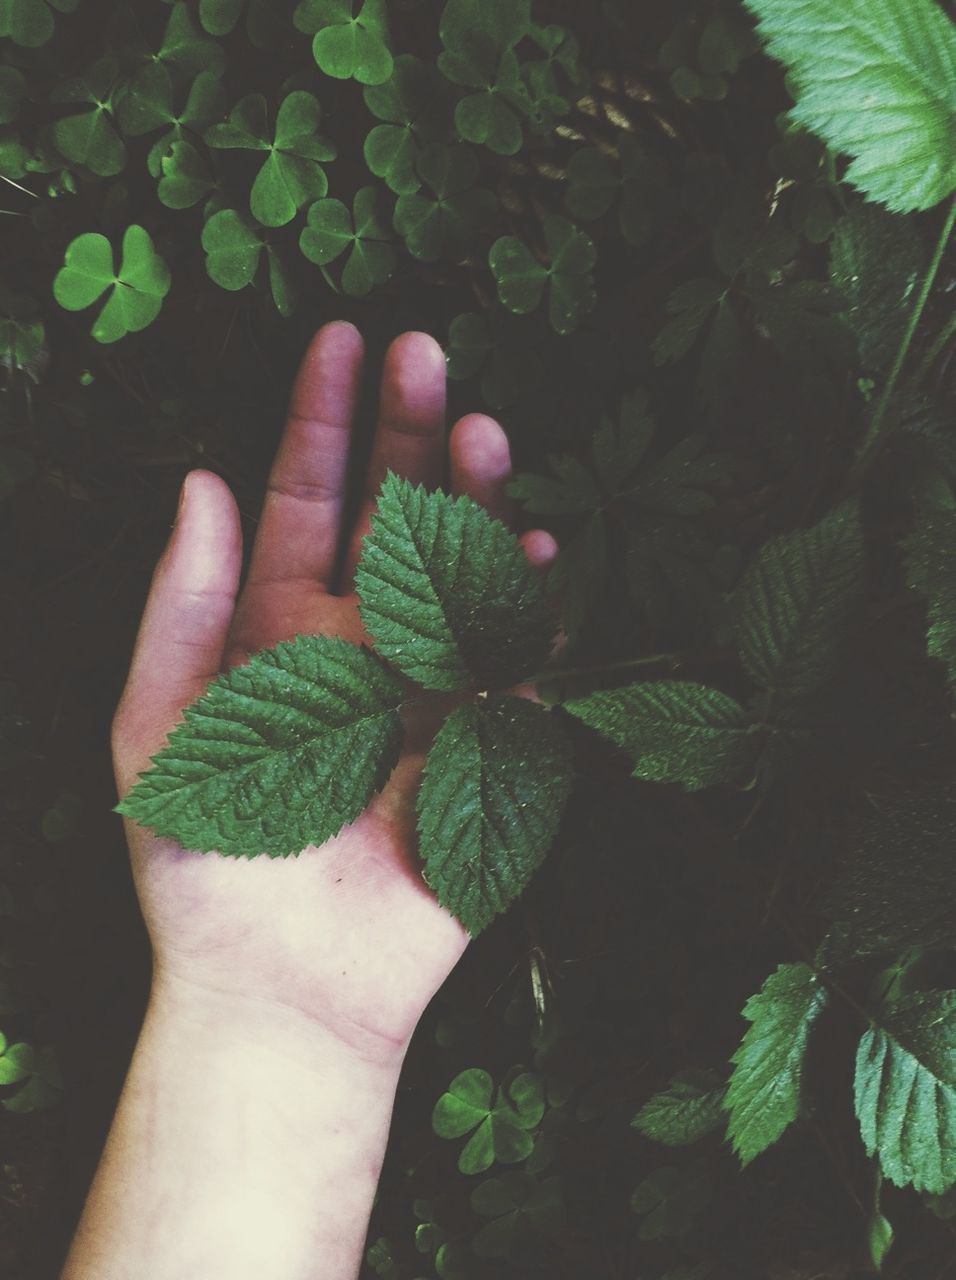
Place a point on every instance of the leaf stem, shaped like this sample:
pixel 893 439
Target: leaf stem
pixel 876 425
pixel 947 332
pixel 561 673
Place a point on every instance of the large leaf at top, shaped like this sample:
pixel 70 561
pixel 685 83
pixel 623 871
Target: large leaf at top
pixel 931 570
pixel 276 755
pixel 447 593
pixel 674 730
pixel 875 79
pixel 905 1091
pixel 763 1097
pixel 796 600
pixel 493 791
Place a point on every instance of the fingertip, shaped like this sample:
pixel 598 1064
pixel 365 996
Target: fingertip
pixel 479 445
pixel 418 352
pixel 207 524
pixel 540 548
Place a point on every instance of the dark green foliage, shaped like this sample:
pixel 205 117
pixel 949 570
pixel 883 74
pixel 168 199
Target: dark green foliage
pixel 699 282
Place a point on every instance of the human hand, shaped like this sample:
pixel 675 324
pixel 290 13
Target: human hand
pixel 347 936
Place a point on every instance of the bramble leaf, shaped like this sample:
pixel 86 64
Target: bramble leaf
pixel 522 280
pixel 136 290
pixel 931 570
pixel 494 787
pixel 500 1122
pixel 444 224
pixel 291 175
pixel 331 231
pixel 687 1110
pixel 796 601
pixel 447 592
pixel 763 1096
pixel 276 755
pixel 348 46
pixel 875 261
pixel 674 731
pixel 905 1090
pixel 898 57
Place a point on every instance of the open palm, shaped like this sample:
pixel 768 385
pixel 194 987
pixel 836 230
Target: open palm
pixel 348 934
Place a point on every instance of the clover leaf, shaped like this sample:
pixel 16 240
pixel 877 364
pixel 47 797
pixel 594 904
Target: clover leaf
pixel 500 1122
pixel 495 24
pixel 291 174
pixel 13 87
pixel 520 1207
pixel 489 116
pixel 30 22
pixel 500 348
pixel 89 136
pixel 332 230
pixel 348 46
pixel 522 279
pixel 136 290
pixel 148 103
pixel 232 256
pixel 263 19
pixel 638 185
pixel 35 1071
pixel 671 1200
pixel 186 47
pixel 444 224
pixel 22 335
pixel 412 103
pixel 186 177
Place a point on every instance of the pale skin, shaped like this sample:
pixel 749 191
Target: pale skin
pixel 251 1129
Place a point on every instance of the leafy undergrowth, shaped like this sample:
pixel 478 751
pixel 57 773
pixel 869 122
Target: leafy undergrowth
pixel 707 1029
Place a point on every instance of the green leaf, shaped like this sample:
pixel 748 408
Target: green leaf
pixel 186 177
pixel 898 57
pixel 763 1096
pixel 413 105
pixel 22 335
pixel 43 1087
pixel 16 1061
pixel 500 1122
pixel 291 175
pixel 30 22
pixel 187 48
pixel 276 755
pixel 905 1091
pixel 89 137
pixel 485 24
pixel 639 188
pixel 521 1209
pixel 495 784
pixel 671 1200
pixel 690 304
pixel 331 231
pixel 447 592
pixel 687 1110
pixel 896 886
pixel 444 224
pixel 348 46
pixel 879 1236
pixel 522 280
pixel 796 601
pixel 13 87
pixel 875 261
pixel 136 290
pixel 931 570
pixel 673 730
pixel 232 249
pixel 490 116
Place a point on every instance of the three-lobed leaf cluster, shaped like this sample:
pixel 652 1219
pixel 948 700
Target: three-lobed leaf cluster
pixel 284 751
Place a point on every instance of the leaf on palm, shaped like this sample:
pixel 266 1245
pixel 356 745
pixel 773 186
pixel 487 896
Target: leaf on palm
pixel 447 593
pixel 277 754
pixel 764 1094
pixel 494 787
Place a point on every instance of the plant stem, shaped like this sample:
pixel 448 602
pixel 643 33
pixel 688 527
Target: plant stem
pixel 876 426
pixel 560 673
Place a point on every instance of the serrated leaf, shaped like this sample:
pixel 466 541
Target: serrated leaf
pixel 687 1110
pixel 136 290
pixel 447 593
pixel 673 730
pixel 495 784
pixel 522 280
pixel 896 886
pixel 796 600
pixel 898 58
pixel 905 1091
pixel 931 570
pixel 875 261
pixel 277 754
pixel 690 304
pixel 763 1096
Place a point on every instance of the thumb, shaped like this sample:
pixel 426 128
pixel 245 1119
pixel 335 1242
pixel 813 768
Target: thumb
pixel 181 637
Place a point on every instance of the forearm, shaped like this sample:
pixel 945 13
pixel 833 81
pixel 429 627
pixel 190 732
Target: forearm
pixel 246 1143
